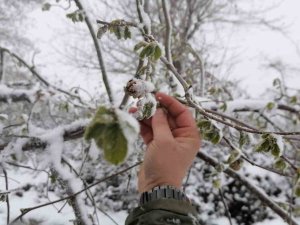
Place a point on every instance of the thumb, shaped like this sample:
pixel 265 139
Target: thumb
pixel 160 125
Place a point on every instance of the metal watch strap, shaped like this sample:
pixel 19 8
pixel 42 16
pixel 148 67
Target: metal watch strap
pixel 160 192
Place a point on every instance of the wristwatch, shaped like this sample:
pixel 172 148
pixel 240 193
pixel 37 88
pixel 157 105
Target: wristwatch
pixel 163 192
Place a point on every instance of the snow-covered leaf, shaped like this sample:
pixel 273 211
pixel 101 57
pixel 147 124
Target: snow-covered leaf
pixel 147 51
pixel 101 31
pixel 108 132
pixel 139 45
pixel 237 165
pixel 244 139
pixel 210 131
pixel 270 143
pixel 217 183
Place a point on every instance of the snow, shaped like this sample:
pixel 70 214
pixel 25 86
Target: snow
pixel 7 92
pixel 130 127
pixel 138 88
pixel 238 104
pixel 143 107
pixel 279 141
pixel 48 215
pixel 146 18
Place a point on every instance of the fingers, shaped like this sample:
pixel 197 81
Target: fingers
pixel 146 133
pixel 160 125
pixel 181 115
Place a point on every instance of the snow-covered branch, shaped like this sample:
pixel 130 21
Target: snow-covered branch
pixel 8 94
pixel 72 131
pixel 27 210
pixel 33 70
pixel 262 196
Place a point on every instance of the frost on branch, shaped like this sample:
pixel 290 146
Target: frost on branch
pixel 114 132
pixel 138 88
pixel 146 105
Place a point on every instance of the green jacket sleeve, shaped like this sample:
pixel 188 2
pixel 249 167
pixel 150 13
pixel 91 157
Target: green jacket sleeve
pixel 163 212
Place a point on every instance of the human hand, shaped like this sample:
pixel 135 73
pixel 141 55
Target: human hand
pixel 172 141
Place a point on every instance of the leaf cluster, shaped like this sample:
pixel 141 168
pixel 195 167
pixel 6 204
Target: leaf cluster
pixel 116 27
pixel 106 131
pixel 269 144
pixel 76 16
pixel 209 131
pixel 150 50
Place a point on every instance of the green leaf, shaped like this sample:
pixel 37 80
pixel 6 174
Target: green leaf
pixel 142 70
pixel 107 132
pixel 269 143
pixel 216 138
pixel 276 82
pixel 157 53
pixel 217 183
pixel 270 105
pixel 117 32
pixel 147 110
pixel 280 164
pixel 3 197
pixel 72 16
pixel 234 155
pixel 264 146
pixel 46 6
pixel 140 45
pixel 209 131
pixel 76 16
pixel 13 156
pixel 275 151
pixel 80 17
pixel 293 100
pixel 223 107
pixel 114 143
pixel 244 139
pixel 297 191
pixel 127 33
pixel 204 124
pixel 53 178
pixel 147 51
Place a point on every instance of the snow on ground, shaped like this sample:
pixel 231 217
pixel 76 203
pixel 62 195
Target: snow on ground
pixel 48 215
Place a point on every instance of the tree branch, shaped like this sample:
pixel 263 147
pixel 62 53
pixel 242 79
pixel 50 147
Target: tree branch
pixel 27 210
pixel 1 64
pixel 36 74
pixel 7 197
pixel 98 51
pixel 251 187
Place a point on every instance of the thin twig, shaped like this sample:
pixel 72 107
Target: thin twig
pixel 36 74
pixel 27 210
pixel 6 197
pixel 263 197
pixel 225 206
pixel 98 51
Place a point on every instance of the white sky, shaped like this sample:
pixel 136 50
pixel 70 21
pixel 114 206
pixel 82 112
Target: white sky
pixel 256 47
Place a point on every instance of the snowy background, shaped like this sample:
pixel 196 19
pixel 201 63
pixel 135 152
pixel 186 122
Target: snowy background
pixel 246 52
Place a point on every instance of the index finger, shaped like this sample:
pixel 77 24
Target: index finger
pixel 180 113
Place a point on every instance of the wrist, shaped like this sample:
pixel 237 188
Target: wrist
pixel 148 186
pixel 163 192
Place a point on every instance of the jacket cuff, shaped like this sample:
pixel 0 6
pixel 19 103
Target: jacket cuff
pixel 162 210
